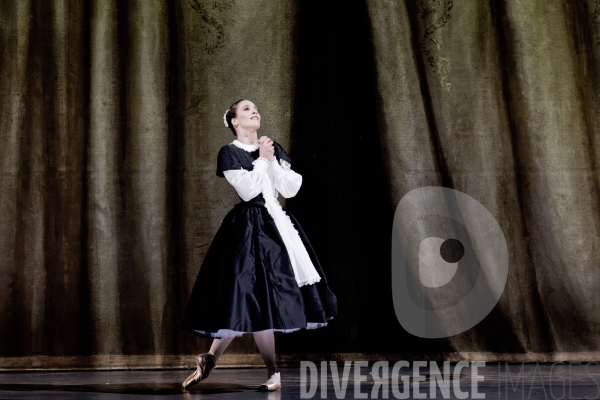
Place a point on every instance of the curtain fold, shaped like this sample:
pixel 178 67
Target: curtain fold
pixel 560 181
pixel 16 23
pixel 111 120
pixel 104 201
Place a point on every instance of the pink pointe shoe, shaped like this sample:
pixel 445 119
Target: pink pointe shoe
pixel 274 383
pixel 204 365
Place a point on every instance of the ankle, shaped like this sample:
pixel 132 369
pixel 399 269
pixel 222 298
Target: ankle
pixel 275 377
pixel 214 357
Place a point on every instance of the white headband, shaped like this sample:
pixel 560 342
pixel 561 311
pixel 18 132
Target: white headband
pixel 225 119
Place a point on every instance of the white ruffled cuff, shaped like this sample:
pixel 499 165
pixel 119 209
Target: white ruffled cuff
pixel 276 168
pixel 261 166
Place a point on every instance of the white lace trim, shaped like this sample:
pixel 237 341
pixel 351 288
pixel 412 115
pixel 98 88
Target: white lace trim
pixel 231 333
pixel 304 270
pixel 244 146
pixel 309 281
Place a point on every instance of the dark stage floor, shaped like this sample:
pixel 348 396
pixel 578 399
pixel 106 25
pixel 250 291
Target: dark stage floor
pixel 494 381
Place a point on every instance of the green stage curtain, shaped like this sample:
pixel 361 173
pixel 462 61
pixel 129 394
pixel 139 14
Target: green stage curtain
pixel 111 120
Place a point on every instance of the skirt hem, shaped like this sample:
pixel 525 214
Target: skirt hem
pixel 224 333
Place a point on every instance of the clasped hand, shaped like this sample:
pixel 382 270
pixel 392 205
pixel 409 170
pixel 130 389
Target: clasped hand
pixel 266 148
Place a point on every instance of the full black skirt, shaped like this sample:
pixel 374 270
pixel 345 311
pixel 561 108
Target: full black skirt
pixel 246 282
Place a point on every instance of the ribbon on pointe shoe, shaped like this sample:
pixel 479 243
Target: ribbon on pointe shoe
pixel 274 383
pixel 205 363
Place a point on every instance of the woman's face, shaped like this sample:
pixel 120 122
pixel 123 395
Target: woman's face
pixel 247 116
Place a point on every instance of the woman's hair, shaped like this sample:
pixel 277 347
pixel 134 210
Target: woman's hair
pixel 232 113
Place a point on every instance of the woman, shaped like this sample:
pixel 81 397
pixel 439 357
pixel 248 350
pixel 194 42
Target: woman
pixel 260 273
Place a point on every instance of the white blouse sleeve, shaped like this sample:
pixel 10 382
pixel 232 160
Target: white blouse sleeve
pixel 248 184
pixel 286 181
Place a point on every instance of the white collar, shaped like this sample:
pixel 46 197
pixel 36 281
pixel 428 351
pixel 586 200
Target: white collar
pixel 244 146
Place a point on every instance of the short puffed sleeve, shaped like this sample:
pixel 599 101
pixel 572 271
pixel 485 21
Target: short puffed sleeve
pixel 280 153
pixel 227 160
